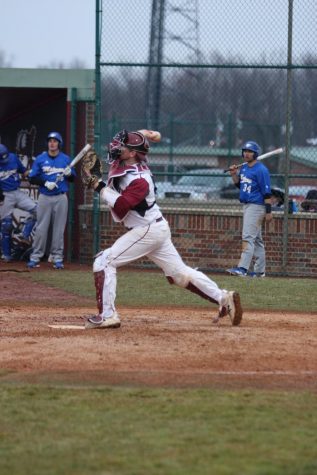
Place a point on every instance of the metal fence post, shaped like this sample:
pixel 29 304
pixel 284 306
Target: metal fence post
pixel 97 131
pixel 288 132
pixel 170 167
pixel 71 220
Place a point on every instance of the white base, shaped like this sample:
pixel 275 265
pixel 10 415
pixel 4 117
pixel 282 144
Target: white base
pixel 67 327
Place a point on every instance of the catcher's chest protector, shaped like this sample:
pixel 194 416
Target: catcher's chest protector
pixel 119 169
pixel 121 183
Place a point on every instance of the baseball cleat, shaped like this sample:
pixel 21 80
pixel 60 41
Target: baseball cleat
pixel 98 321
pixel 223 312
pixel 32 264
pixel 7 259
pixel 58 265
pixel 240 271
pixel 256 274
pixel 234 308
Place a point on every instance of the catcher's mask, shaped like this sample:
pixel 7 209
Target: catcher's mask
pixel 4 153
pixel 131 140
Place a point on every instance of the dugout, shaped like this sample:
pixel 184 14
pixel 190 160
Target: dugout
pixel 34 102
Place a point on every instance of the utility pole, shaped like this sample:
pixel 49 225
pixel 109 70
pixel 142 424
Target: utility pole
pixel 174 39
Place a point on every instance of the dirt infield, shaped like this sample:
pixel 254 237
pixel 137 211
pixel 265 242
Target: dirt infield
pixel 163 347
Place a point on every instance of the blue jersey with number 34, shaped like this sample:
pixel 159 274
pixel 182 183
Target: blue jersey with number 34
pixel 254 183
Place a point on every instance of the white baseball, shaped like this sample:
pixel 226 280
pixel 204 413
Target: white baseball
pixel 152 135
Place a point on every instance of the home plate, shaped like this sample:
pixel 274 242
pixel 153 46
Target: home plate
pixel 67 327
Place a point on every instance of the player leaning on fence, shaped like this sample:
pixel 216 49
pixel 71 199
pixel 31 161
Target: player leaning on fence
pixel 253 180
pixel 130 195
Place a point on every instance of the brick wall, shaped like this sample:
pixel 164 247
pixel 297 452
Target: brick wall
pixel 212 242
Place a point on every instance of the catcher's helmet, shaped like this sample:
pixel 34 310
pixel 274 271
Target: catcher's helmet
pixel 4 153
pixel 57 136
pixel 253 146
pixel 132 140
pixel 136 141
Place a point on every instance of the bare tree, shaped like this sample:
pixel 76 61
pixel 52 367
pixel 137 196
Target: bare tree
pixel 75 63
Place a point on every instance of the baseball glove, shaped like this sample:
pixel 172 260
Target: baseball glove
pixel 91 169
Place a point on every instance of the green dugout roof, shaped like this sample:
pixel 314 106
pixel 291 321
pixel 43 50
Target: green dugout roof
pixel 80 79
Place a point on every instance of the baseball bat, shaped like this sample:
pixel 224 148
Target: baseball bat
pixel 75 160
pixel 277 151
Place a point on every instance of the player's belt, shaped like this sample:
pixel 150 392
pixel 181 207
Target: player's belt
pixel 158 220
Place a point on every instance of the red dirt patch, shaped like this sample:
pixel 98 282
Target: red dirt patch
pixel 154 347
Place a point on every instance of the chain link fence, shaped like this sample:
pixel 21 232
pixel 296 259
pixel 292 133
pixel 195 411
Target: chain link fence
pixel 210 75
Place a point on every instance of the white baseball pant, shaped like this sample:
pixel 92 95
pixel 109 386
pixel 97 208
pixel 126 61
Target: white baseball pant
pixel 153 241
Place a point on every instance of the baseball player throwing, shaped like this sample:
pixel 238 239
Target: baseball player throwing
pixel 130 195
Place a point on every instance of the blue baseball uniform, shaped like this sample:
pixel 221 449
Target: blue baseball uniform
pixel 255 186
pixel 47 168
pixel 52 204
pixel 255 183
pixel 10 170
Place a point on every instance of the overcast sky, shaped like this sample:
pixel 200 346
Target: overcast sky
pixel 40 32
pixel 37 33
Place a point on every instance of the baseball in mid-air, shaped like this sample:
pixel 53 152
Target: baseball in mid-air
pixel 152 135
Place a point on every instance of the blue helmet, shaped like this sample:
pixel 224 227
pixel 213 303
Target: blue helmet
pixel 4 153
pixel 57 136
pixel 253 146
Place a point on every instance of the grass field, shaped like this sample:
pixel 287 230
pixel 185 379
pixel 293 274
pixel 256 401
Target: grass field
pixel 78 429
pixel 151 288
pixel 58 430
